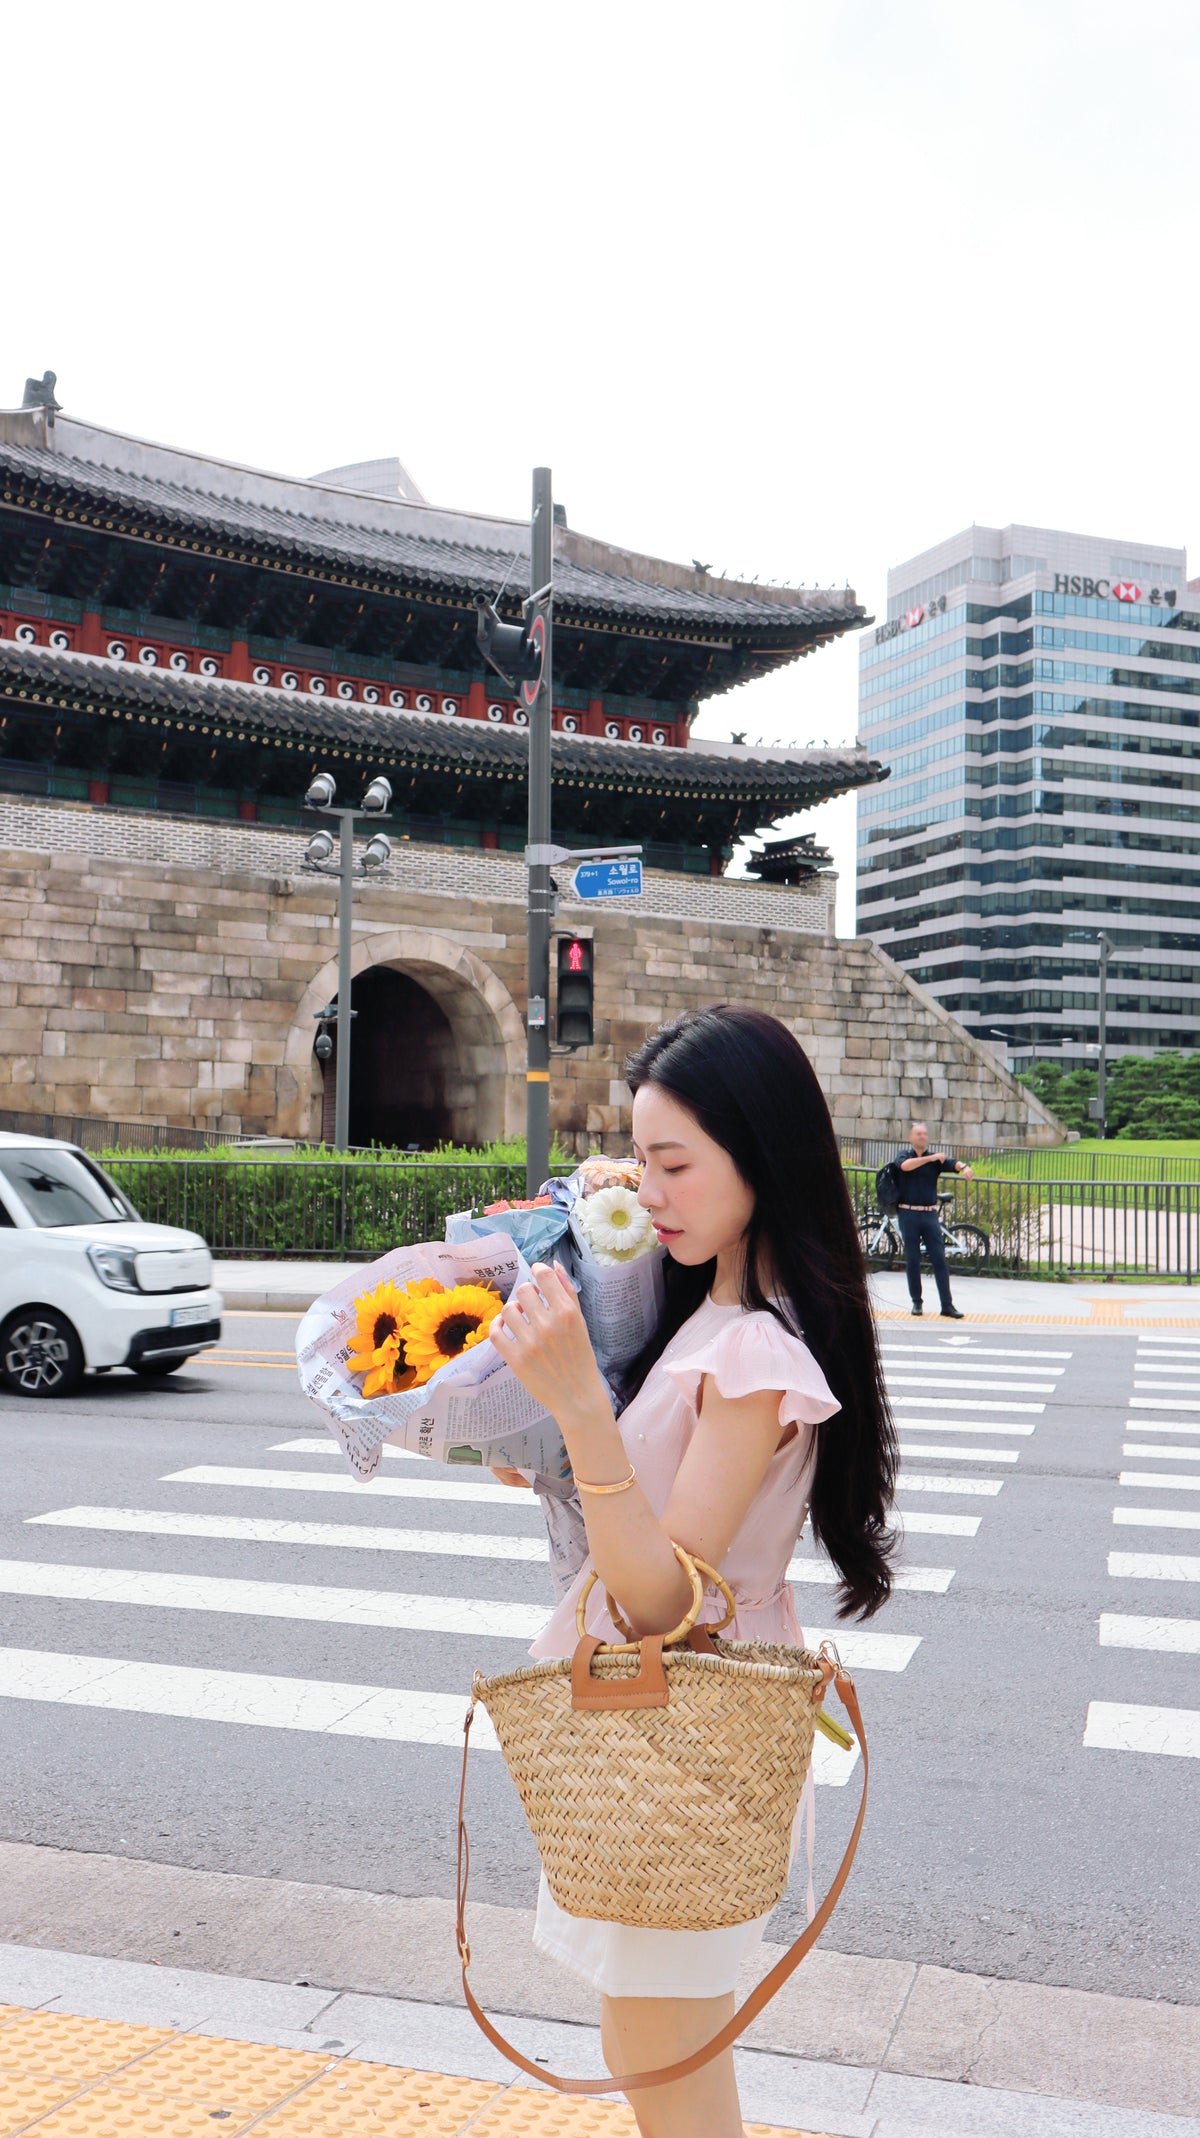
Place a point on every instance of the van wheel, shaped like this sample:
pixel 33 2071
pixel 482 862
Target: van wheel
pixel 40 1353
pixel 154 1369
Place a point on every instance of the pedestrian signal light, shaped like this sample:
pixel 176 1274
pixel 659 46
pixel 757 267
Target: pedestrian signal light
pixel 574 1022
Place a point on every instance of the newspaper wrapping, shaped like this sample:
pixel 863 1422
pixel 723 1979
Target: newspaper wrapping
pixel 472 1411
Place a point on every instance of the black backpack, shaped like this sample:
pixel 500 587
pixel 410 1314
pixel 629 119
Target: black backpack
pixel 887 1185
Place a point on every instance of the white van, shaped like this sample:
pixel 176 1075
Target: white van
pixel 84 1284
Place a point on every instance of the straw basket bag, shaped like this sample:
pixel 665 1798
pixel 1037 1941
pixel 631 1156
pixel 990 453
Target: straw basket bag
pixel 660 1779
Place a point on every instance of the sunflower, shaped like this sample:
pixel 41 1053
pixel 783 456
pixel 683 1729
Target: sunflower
pixel 438 1330
pixel 380 1318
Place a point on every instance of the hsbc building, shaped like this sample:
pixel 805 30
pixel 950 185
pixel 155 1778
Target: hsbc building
pixel 1037 697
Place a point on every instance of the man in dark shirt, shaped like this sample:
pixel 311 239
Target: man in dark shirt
pixel 920 1171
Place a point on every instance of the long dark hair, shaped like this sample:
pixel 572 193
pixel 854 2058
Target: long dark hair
pixel 751 1087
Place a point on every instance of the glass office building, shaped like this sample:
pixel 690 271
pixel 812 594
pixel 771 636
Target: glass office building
pixel 1037 696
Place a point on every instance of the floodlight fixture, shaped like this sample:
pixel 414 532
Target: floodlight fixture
pixel 378 796
pixel 378 851
pixel 319 848
pixel 321 792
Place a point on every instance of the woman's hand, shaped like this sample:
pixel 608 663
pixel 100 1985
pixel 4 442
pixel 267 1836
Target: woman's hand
pixel 542 1335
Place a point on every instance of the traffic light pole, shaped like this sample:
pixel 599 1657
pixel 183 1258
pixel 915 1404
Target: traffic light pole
pixel 541 895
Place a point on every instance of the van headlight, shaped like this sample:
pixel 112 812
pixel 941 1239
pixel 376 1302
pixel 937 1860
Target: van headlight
pixel 116 1267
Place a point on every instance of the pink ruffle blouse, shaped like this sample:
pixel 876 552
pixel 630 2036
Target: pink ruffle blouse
pixel 741 1352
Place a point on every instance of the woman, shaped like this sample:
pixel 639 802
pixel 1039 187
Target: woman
pixel 759 1400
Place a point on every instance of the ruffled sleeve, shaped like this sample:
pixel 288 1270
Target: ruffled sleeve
pixel 755 1351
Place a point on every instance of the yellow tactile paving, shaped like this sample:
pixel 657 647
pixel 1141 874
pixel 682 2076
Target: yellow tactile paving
pixel 62 2077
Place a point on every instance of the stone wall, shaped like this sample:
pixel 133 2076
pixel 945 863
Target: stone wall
pixel 182 989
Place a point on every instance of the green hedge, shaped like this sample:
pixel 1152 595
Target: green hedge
pixel 309 1203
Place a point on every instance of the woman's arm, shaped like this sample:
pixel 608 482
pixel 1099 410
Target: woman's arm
pixel 541 1332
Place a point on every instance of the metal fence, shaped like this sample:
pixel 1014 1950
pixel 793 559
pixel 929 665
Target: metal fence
pixel 293 1209
pixel 1042 1162
pixel 91 1134
pixel 1074 1228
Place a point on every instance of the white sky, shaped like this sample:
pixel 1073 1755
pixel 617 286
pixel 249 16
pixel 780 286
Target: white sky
pixel 796 289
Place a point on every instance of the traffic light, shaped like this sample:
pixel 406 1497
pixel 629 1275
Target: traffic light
pixel 574 1020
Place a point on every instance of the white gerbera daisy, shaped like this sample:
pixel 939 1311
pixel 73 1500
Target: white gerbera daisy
pixel 614 1222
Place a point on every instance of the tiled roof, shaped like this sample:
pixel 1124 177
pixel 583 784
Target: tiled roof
pixel 272 527
pixel 239 712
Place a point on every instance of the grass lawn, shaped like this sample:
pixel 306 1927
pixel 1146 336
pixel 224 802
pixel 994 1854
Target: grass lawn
pixel 1090 1159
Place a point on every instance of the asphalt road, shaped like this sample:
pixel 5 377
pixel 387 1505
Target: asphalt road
pixel 240 1739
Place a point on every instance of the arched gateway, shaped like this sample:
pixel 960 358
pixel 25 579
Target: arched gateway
pixel 438 1049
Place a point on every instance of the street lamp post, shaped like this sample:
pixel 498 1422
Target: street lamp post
pixel 318 856
pixel 1099 1105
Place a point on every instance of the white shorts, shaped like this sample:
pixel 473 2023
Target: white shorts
pixel 620 1961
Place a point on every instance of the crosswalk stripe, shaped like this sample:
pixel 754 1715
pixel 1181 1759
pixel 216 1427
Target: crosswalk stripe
pixel 396 1488
pixel 1157 1480
pixel 262 1701
pixel 274 1599
pixel 336 1536
pixel 240 1696
pixel 1156 1389
pixel 1152 1566
pixel 866 1651
pixel 932 1580
pixel 1003 1428
pixel 371 1608
pixel 956 1370
pixel 327 1445
pixel 1147 1453
pixel 1156 1518
pixel 1115 1726
pixel 1189 1380
pixel 980 1487
pixel 1164 1403
pixel 1154 1342
pixel 925 1453
pixel 938 1525
pixel 893 1349
pixel 1159 1425
pixel 1028 1410
pixel 1171 1636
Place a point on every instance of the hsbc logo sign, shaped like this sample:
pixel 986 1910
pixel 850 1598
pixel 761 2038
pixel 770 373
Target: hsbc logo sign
pixel 1113 590
pixel 910 619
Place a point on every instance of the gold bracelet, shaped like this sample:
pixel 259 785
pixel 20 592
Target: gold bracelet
pixel 622 1484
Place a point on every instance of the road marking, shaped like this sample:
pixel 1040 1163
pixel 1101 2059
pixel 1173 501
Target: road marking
pixel 1114 1727
pixel 1165 1403
pixel 240 1696
pixel 396 1488
pixel 275 1599
pixel 1002 1427
pixel 1158 1342
pixel 950 1373
pixel 202 1360
pixel 931 1580
pixel 329 1446
pixel 866 1651
pixel 1172 1636
pixel 1157 1481
pixel 891 1348
pixel 961 1424
pixel 1190 1380
pixel 336 1536
pixel 938 1525
pixel 981 1487
pixel 322 1706
pixel 1159 1425
pixel 1156 1518
pixel 1146 1453
pixel 1152 1566
pixel 958 1402
pixel 924 1453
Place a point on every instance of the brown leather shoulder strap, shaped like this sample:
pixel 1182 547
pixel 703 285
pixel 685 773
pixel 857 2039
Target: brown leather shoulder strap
pixel 760 1996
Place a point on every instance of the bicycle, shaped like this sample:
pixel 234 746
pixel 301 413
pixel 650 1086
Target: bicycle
pixel 966 1244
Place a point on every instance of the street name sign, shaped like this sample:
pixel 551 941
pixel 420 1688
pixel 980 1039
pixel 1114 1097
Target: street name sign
pixel 609 879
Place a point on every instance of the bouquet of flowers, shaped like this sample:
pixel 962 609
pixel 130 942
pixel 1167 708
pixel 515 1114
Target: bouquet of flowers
pixel 400 1352
pixel 614 1258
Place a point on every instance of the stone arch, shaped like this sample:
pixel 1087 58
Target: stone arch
pixel 487 1031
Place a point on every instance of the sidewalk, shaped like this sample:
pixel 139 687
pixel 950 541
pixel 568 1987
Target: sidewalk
pixel 141 1998
pixel 291 1287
